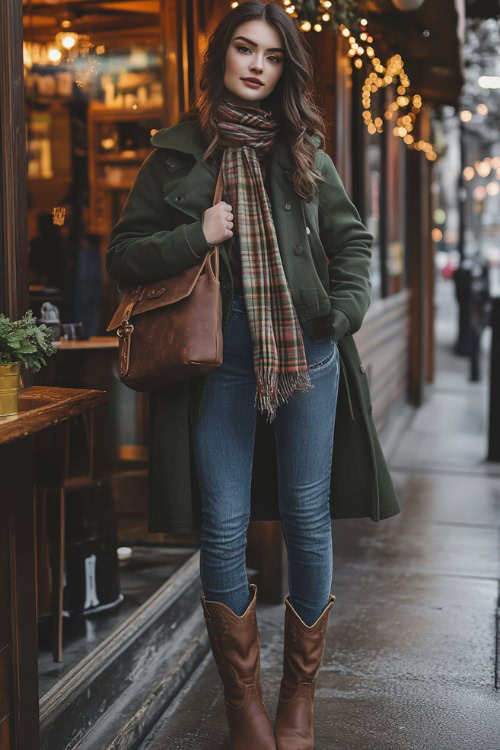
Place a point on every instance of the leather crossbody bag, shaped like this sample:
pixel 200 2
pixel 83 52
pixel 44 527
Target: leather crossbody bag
pixel 171 330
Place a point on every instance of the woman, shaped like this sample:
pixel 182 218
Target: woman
pixel 254 439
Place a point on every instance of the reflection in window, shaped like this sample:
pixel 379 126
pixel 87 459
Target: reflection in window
pixel 395 255
pixel 373 192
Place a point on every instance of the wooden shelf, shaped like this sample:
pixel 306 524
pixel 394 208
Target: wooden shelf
pixel 101 113
pixel 106 185
pixel 119 158
pixel 104 209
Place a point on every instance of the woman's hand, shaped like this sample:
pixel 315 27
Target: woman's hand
pixel 218 223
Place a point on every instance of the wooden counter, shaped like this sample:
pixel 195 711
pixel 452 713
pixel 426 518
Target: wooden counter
pixel 39 407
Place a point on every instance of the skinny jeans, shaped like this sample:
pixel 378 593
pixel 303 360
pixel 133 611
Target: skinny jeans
pixel 223 445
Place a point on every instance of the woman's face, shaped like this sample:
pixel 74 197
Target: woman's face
pixel 255 51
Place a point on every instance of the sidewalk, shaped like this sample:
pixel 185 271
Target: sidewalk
pixel 410 662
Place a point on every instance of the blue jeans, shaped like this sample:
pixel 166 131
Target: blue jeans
pixel 223 443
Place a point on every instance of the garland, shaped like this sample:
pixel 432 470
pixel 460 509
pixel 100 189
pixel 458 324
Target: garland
pixel 320 14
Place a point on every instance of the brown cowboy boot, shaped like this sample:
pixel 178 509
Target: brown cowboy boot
pixel 236 649
pixel 303 652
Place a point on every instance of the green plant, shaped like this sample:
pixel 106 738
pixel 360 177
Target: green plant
pixel 24 341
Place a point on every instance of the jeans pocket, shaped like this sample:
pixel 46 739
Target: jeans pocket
pixel 325 361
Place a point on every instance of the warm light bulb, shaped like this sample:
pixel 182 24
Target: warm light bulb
pixel 68 41
pixel 54 54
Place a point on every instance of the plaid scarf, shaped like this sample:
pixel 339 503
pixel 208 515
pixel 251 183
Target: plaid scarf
pixel 247 135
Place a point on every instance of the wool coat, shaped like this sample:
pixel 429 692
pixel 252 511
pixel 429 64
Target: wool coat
pixel 325 250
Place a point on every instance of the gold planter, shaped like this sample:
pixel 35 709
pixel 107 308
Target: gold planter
pixel 9 388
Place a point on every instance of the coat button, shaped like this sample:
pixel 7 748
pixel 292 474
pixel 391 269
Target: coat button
pixel 179 198
pixel 361 367
pixel 308 230
pixel 287 206
pixel 298 249
pixel 370 409
pixel 171 162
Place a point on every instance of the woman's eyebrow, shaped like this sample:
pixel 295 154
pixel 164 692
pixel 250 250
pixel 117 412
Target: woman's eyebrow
pixel 254 44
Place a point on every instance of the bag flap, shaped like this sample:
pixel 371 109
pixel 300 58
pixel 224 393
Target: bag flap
pixel 157 294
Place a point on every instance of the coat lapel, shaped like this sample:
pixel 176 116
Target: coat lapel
pixel 195 191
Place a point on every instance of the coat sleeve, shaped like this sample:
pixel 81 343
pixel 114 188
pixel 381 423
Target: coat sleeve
pixel 142 248
pixel 347 244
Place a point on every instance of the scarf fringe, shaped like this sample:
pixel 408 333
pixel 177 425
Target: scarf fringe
pixel 273 391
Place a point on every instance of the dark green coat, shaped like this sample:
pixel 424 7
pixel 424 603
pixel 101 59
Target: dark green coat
pixel 326 257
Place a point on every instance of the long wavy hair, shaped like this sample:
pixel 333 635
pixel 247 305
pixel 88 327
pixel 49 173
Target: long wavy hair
pixel 291 102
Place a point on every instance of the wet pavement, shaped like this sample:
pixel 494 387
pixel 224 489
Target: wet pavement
pixel 410 661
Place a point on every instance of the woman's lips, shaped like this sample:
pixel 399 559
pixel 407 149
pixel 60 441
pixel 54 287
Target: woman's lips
pixel 252 84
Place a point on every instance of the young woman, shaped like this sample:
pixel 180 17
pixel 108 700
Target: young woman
pixel 254 439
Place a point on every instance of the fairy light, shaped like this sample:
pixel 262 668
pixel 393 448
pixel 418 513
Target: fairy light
pixel 380 77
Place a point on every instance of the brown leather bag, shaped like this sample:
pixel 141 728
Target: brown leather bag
pixel 171 330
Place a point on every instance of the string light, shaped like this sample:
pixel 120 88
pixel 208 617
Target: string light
pixel 322 14
pixel 380 77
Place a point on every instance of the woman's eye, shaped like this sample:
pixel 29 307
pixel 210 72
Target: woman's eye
pixel 274 57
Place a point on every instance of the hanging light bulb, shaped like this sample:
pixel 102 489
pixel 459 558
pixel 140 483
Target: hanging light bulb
pixel 54 54
pixel 66 39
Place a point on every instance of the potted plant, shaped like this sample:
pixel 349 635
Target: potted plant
pixel 22 342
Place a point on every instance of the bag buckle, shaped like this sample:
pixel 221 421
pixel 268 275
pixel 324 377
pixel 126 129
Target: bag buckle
pixel 124 329
pixel 124 333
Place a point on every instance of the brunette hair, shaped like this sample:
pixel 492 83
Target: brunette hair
pixel 291 102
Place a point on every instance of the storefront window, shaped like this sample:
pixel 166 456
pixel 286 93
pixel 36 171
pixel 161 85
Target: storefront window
pixel 92 102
